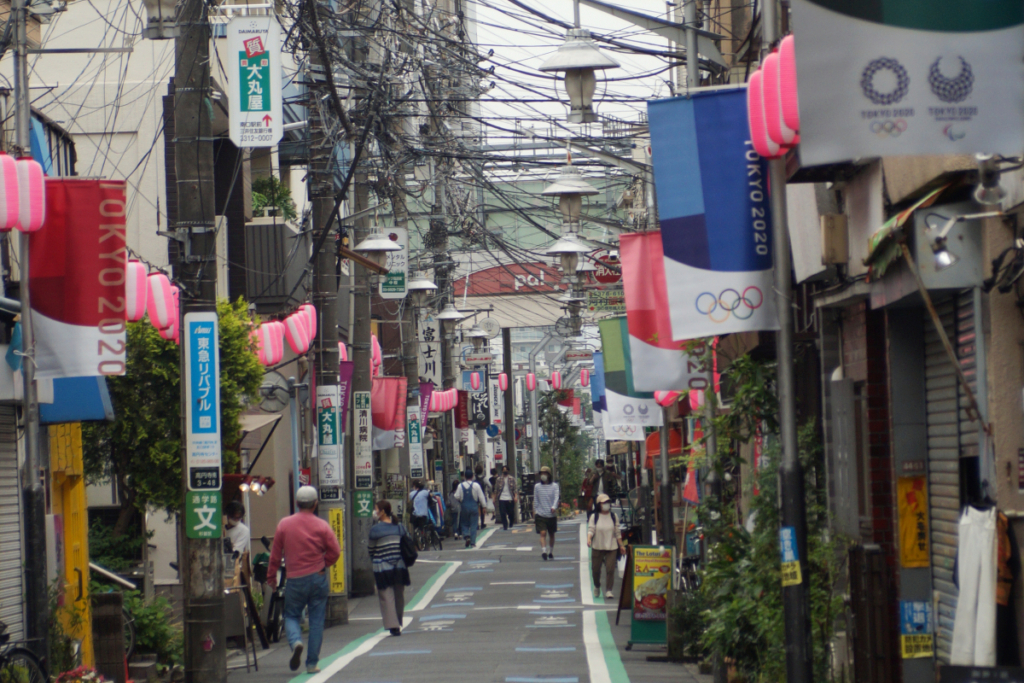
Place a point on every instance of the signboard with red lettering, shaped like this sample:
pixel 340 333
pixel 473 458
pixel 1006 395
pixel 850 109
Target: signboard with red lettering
pixel 609 271
pixel 514 278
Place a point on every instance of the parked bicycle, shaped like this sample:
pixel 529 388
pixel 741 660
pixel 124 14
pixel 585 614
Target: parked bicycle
pixel 274 626
pixel 427 538
pixel 18 664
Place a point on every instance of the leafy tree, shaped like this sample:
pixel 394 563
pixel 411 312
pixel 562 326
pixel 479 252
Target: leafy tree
pixel 563 451
pixel 140 450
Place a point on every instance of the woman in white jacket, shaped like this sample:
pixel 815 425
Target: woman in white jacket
pixel 603 539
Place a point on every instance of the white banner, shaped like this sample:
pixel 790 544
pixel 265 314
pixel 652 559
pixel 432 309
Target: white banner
pixel 429 335
pixel 893 78
pixel 415 441
pixel 623 432
pixel 395 285
pixel 363 429
pixel 624 410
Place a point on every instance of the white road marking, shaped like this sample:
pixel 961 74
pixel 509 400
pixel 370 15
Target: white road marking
pixel 512 583
pixel 525 548
pixel 436 588
pixel 595 653
pixel 343 661
pixel 586 587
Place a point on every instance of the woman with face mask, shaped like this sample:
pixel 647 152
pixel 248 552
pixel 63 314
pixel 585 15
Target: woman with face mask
pixel 604 539
pixel 389 570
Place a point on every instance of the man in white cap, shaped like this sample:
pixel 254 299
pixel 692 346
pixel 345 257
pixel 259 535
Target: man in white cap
pixel 308 547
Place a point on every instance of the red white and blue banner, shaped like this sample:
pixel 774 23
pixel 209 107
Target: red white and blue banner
pixel 891 77
pixel 715 220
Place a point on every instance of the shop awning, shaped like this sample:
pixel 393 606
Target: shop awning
pixel 675 446
pixel 252 423
pixel 883 245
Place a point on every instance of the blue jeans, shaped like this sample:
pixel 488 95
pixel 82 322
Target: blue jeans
pixel 299 593
pixel 469 520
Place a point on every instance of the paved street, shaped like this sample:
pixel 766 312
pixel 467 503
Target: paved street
pixel 496 613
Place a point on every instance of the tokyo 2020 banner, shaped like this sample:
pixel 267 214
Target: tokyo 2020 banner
pixel 715 220
pixel 895 77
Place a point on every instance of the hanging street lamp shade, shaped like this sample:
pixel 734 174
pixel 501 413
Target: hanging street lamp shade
pixel 136 291
pixel 420 289
pixel 160 24
pixel 9 194
pixel 579 57
pixel 31 195
pixel 568 249
pixel 376 247
pixel 570 188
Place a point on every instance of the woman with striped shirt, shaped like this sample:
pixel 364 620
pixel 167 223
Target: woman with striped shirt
pixel 389 570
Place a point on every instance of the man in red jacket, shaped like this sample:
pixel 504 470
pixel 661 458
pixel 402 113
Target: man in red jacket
pixel 308 547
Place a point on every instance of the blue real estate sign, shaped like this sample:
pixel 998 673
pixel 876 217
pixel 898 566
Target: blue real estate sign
pixel 202 401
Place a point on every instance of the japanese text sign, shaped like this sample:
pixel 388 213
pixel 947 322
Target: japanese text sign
pixel 254 69
pixel 202 401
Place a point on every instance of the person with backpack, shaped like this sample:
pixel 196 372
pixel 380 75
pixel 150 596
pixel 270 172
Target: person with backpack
pixel 605 542
pixel 545 512
pixel 420 498
pixel 471 501
pixel 390 571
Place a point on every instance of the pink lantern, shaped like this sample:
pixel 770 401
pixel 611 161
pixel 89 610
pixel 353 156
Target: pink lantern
pixel 666 398
pixel 763 145
pixel 788 86
pixel 453 398
pixel 176 300
pixel 531 381
pixel 771 91
pixel 295 333
pixel 169 332
pixel 9 195
pixel 310 312
pixel 503 382
pixel 474 380
pixel 31 195
pixel 136 293
pixel 696 399
pixel 432 402
pixel 584 377
pixel 277 331
pixel 266 344
pixel 556 380
pixel 343 352
pixel 160 304
pixel 376 355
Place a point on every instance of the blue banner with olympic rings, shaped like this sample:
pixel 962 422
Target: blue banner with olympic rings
pixel 714 215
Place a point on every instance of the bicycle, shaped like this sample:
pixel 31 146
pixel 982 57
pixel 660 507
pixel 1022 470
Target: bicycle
pixel 18 664
pixel 689 577
pixel 274 626
pixel 427 538
pixel 129 633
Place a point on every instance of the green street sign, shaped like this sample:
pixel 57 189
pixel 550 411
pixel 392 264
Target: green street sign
pixel 363 503
pixel 202 514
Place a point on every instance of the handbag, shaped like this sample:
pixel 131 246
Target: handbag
pixel 407 547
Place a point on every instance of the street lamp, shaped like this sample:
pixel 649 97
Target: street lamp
pixel 943 257
pixel 579 57
pixel 160 23
pixel 478 337
pixel 449 318
pixel 376 246
pixel 570 187
pixel 568 249
pixel 988 191
pixel 420 289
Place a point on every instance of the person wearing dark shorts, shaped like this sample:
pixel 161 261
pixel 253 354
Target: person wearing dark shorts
pixel 545 512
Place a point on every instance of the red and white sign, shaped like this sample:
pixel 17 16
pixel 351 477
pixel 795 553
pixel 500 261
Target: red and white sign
pixel 514 278
pixel 77 276
pixel 478 359
pixel 608 270
pixel 579 355
pixel 253 47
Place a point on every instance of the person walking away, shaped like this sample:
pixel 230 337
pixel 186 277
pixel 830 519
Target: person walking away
pixel 487 489
pixel 308 546
pixel 471 500
pixel 505 497
pixel 604 540
pixel 456 509
pixel 420 498
pixel 602 481
pixel 389 570
pixel 545 512
pixel 587 490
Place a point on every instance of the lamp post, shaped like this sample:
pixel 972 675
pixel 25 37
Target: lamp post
pixel 579 57
pixel 449 319
pixel 570 188
pixel 420 289
pixel 376 246
pixel 568 249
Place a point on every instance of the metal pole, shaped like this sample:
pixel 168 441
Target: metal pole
pixel 719 672
pixel 534 419
pixel 799 664
pixel 692 62
pixel 510 410
pixel 293 407
pixel 576 13
pixel 667 523
pixel 33 495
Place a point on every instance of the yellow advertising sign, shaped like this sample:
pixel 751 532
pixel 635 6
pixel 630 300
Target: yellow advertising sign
pixel 336 518
pixel 652 578
pixel 917 646
pixel 912 496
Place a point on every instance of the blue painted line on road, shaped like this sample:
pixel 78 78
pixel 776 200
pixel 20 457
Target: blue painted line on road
pixel 400 652
pixel 435 617
pixel 459 590
pixel 475 571
pixel 554 585
pixel 483 560
pixel 545 649
pixel 522 679
pixel 556 569
pixel 551 626
pixel 553 600
pixel 449 605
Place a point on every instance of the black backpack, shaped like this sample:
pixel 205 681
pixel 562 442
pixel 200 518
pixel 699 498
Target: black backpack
pixel 407 547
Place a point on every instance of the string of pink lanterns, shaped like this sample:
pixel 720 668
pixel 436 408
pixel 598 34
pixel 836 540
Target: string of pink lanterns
pixel 773 104
pixel 443 401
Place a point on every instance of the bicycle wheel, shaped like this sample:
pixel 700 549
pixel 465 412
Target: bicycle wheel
pixel 21 666
pixel 129 633
pixel 275 621
pixel 435 540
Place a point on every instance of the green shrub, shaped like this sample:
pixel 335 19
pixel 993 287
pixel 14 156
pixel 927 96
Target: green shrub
pixel 117 554
pixel 154 632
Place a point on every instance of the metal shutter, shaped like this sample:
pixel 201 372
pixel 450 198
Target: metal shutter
pixel 951 436
pixel 11 593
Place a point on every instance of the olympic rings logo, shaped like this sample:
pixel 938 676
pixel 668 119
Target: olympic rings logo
pixel 888 129
pixel 623 429
pixel 730 303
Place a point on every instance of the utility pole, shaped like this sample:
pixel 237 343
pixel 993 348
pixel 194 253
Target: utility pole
pixel 437 242
pixel 33 495
pixel 510 410
pixel 799 665
pixel 407 332
pixel 325 300
pixel 202 560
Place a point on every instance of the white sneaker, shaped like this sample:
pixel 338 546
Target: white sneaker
pixel 609 595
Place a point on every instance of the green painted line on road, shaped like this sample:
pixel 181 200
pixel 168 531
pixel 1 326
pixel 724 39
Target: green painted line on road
pixel 616 670
pixel 482 538
pixel 324 663
pixel 422 592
